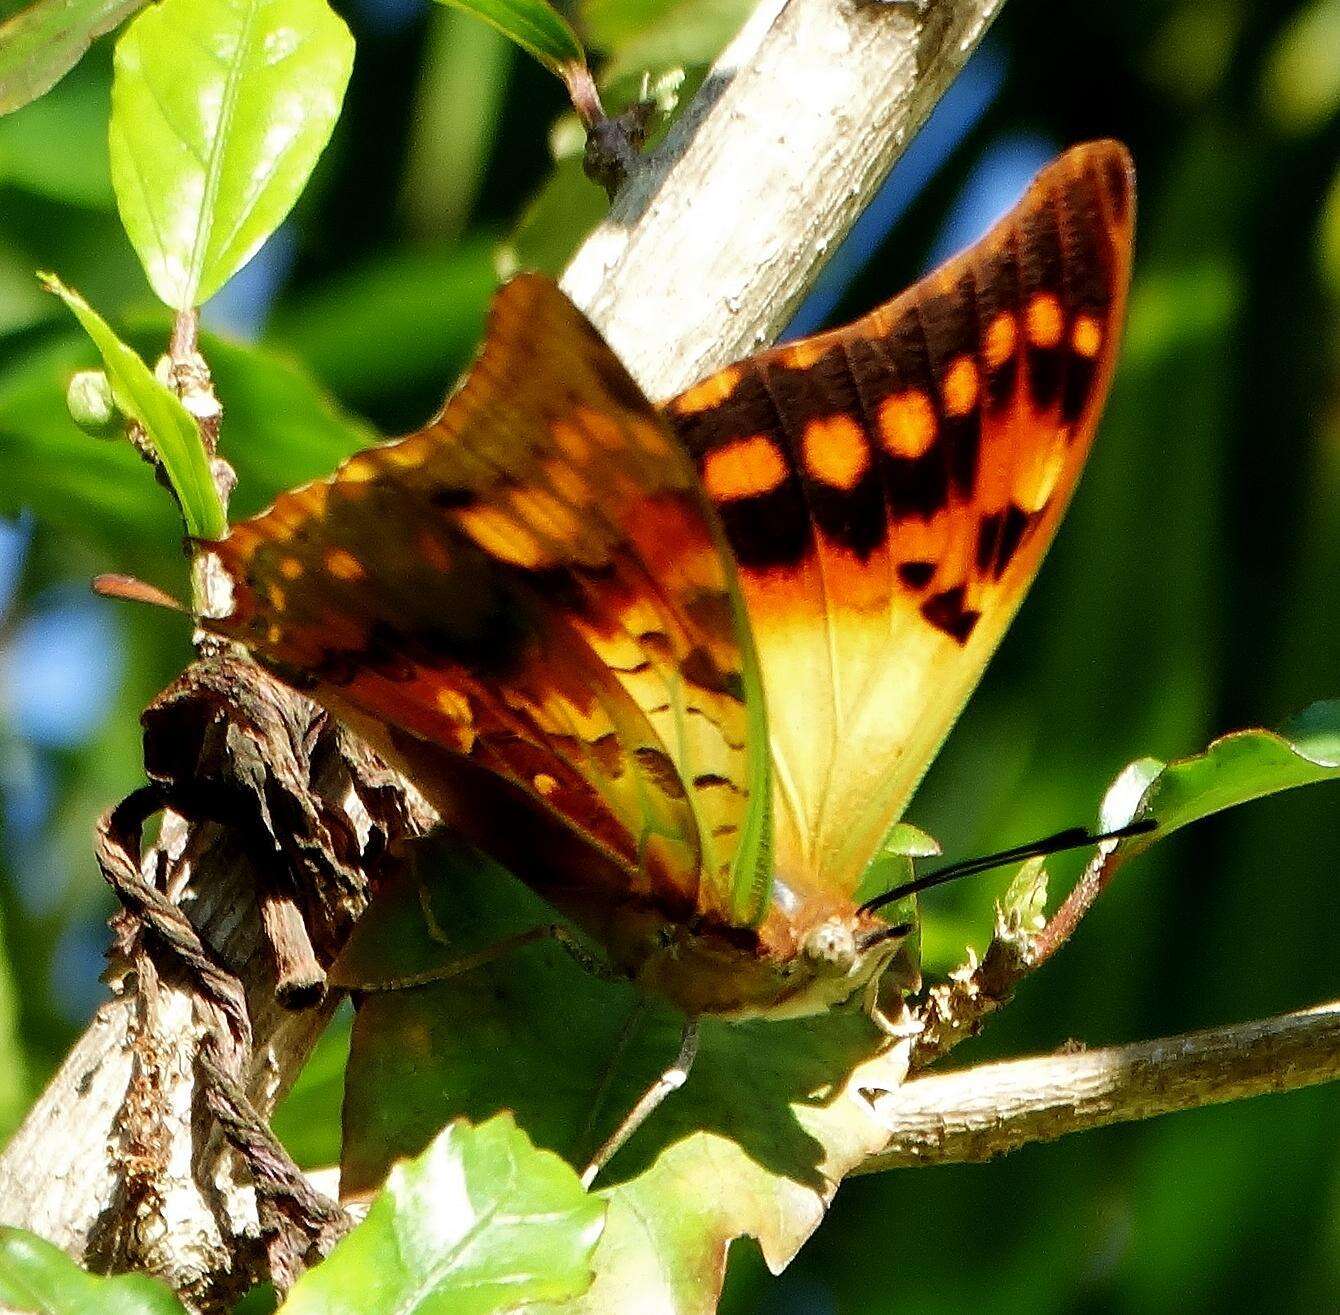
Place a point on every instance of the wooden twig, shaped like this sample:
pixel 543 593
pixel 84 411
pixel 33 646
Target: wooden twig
pixel 717 236
pixel 978 1113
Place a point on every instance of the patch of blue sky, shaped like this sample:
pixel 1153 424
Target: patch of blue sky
pixel 959 111
pixel 27 790
pixel 76 968
pixel 14 536
pixel 242 306
pixel 60 670
pixel 996 181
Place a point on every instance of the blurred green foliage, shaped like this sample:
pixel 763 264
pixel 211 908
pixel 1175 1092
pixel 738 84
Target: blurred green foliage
pixel 1192 590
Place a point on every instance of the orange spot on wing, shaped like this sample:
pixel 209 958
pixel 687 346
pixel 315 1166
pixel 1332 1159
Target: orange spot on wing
pixel 503 537
pixel 835 451
pixel 343 565
pixel 1000 339
pixel 452 703
pixel 907 423
pixel 290 568
pixel 743 469
pixel 433 551
pixel 960 386
pixel 604 429
pixel 544 784
pixel 360 470
pixel 570 440
pixel 1045 321
pixel 1087 336
pixel 801 355
pixel 713 390
pixel 1034 489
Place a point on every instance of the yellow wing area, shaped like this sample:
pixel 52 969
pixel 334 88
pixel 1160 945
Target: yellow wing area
pixel 532 582
pixel 889 490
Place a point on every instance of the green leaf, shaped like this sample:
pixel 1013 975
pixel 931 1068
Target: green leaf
pixel 408 321
pixel 769 1121
pixel 1024 904
pixel 911 841
pixel 480 1222
pixel 453 123
pixel 75 115
pixel 1301 86
pixel 556 221
pixel 688 34
pixel 220 109
pixel 42 43
pixel 36 1276
pixel 1235 769
pixel 104 492
pixel 159 411
pixel 1328 237
pixel 536 26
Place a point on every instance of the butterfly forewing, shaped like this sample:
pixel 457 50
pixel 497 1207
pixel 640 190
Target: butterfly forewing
pixel 533 581
pixel 889 489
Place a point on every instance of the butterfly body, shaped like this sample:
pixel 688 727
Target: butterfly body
pixel 679 669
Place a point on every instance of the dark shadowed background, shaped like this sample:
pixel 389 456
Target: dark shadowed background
pixel 1194 588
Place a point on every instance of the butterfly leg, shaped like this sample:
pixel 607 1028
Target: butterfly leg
pixel 550 931
pixel 899 1029
pixel 896 1029
pixel 669 1082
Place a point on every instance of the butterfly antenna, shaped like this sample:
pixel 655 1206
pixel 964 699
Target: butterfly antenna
pixel 1075 837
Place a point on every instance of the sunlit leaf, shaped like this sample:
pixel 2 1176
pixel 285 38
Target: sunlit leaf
pixel 220 109
pixel 535 25
pixel 609 24
pixel 1235 769
pixel 912 841
pixel 1024 903
pixel 41 44
pixel 38 1277
pixel 169 426
pixel 481 1222
pixel 755 1143
pixel 103 492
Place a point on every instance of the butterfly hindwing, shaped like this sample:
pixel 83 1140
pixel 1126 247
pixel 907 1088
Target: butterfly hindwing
pixel 889 489
pixel 533 582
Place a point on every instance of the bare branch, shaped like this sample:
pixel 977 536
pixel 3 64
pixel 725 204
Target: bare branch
pixel 975 1114
pixel 710 246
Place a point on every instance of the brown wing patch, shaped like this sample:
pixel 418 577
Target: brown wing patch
pixel 534 581
pixel 928 453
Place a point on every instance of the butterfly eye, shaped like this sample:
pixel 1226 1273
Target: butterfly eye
pixel 831 948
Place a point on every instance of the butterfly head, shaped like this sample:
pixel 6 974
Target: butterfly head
pixel 837 958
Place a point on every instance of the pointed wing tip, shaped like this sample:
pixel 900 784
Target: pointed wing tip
pixel 1105 165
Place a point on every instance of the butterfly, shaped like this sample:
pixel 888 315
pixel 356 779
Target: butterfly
pixel 680 668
